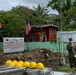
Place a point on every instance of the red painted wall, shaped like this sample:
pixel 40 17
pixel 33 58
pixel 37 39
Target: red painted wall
pixel 51 35
pixel 47 31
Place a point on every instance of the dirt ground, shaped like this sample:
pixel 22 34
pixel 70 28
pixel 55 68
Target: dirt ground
pixel 50 59
pixel 54 63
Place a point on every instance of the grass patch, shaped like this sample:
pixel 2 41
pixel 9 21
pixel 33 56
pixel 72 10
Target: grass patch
pixel 64 68
pixel 1 51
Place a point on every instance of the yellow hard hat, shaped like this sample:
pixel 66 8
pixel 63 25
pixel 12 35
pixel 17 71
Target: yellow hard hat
pixel 20 61
pixel 26 64
pixel 40 65
pixel 32 65
pixel 18 65
pixel 14 61
pixel 12 64
pixel 8 62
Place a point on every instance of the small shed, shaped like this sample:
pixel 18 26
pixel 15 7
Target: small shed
pixel 43 33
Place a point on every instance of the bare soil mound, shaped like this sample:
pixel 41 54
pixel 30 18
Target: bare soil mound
pixel 49 58
pixel 34 55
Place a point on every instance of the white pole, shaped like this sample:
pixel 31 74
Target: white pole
pixel 62 59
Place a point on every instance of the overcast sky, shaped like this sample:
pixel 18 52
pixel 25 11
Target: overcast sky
pixel 8 4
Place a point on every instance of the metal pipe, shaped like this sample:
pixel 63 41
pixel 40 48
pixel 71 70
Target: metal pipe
pixel 11 70
pixel 62 59
pixel 5 68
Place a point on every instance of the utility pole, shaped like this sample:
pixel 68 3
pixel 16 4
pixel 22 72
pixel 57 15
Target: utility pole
pixel 62 59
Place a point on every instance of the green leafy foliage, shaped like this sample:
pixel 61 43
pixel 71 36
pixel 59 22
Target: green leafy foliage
pixel 53 40
pixel 14 21
pixel 66 8
pixel 12 25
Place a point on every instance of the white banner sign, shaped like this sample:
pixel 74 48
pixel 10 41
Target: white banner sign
pixel 65 35
pixel 13 44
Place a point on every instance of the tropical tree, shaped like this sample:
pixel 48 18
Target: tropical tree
pixel 12 24
pixel 74 3
pixel 72 18
pixel 60 5
pixel 41 11
pixel 35 16
pixel 22 11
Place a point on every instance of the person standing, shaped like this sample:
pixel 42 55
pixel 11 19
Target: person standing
pixel 71 47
